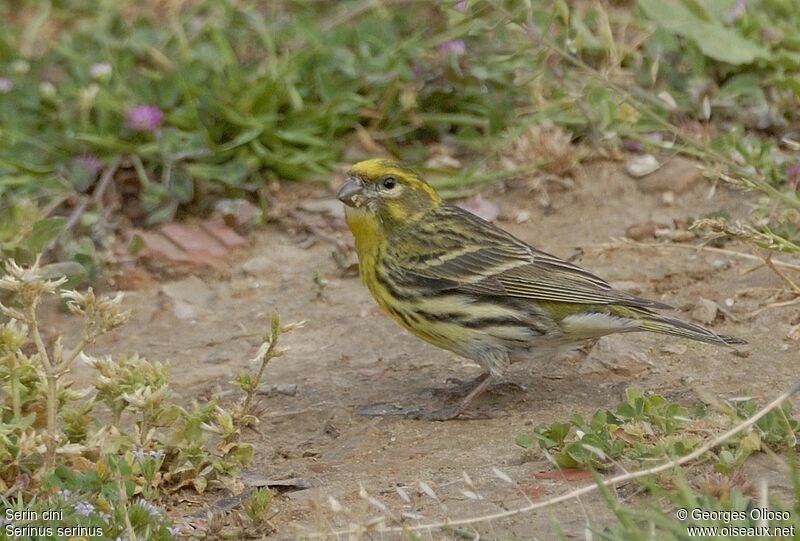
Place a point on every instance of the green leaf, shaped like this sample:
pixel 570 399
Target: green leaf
pixel 563 11
pixel 181 185
pixel 169 415
pixel 243 138
pixel 44 231
pixel 81 176
pixel 136 244
pixel 524 440
pixel 176 145
pixel 232 173
pixel 71 269
pixel 715 40
pixel 243 453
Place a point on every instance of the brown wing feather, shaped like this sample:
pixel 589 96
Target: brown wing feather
pixel 460 252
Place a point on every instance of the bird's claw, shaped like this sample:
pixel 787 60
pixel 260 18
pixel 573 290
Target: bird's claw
pixel 460 387
pixel 455 386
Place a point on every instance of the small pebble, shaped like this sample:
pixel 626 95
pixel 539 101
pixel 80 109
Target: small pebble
pixel 258 265
pixel 289 389
pixel 522 217
pixel 641 165
pixel 705 311
pixel 642 231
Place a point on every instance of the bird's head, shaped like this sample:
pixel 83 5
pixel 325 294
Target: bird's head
pixel 387 192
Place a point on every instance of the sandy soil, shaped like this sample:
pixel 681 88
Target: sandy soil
pixel 350 355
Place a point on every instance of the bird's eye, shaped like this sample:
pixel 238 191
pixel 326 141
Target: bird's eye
pixel 389 183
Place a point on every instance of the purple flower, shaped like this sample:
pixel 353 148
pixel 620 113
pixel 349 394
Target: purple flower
pixel 633 145
pixel 139 454
pixel 64 493
pixel 735 12
pixel 793 175
pixel 144 118
pixel 453 46
pixel 83 508
pixel 5 85
pixel 152 509
pixel 461 5
pixel 89 162
pixel 174 530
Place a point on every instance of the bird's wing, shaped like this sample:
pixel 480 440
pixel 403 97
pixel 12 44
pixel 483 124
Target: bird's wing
pixel 460 252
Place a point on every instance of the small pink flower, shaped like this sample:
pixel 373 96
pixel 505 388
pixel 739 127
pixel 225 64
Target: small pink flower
pixel 90 163
pixel 144 118
pixel 453 46
pixel 461 5
pixel 5 85
pixel 83 508
pixel 793 175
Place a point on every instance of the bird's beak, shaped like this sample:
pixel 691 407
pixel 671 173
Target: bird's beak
pixel 350 192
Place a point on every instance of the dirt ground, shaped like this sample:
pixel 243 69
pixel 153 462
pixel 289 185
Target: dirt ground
pixel 349 355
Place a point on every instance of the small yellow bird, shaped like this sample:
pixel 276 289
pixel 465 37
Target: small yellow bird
pixel 465 285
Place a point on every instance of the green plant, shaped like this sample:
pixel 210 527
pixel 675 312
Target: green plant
pixel 643 428
pixel 731 514
pixel 99 503
pixel 107 453
pixel 227 94
pixel 703 78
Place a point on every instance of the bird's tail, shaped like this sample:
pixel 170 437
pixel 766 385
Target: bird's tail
pixel 676 327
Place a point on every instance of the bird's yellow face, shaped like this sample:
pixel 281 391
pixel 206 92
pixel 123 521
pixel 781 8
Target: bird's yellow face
pixel 381 194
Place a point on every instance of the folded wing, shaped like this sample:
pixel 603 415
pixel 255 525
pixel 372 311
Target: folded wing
pixel 462 253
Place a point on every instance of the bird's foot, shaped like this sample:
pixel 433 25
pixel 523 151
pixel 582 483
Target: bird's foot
pixel 449 414
pixel 460 387
pixel 479 385
pixel 455 386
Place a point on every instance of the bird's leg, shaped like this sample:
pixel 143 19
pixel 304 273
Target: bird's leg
pixel 456 386
pixel 460 387
pixel 482 383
